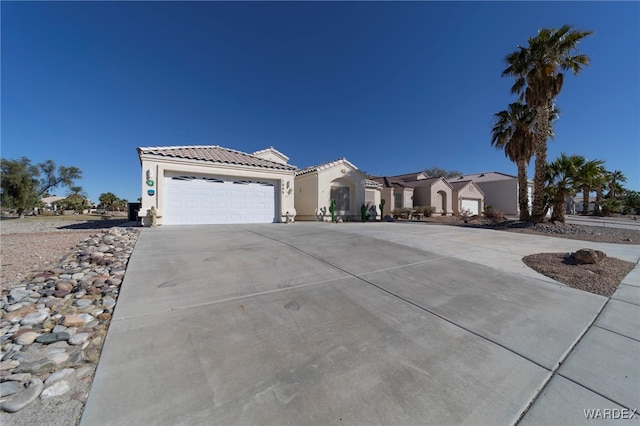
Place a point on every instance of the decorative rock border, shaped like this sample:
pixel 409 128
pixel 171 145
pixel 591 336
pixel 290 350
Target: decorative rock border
pixel 54 323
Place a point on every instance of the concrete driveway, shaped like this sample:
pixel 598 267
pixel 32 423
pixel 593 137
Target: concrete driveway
pixel 378 323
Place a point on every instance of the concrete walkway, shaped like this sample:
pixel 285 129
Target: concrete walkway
pixel 378 323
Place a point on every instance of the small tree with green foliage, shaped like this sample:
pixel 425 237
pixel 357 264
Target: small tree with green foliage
pixel 107 200
pixel 23 184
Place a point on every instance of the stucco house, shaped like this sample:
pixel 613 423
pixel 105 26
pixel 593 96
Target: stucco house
pixel 435 192
pixel 467 197
pixel 206 184
pixel 337 180
pixel 50 203
pixel 396 193
pixel 500 190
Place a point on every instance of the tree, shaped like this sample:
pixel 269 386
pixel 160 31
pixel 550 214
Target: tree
pixel 512 132
pixel 589 175
pixel 561 178
pixel 614 184
pixel 120 204
pixel 107 200
pixel 631 201
pixel 538 71
pixel 438 172
pixel 76 200
pixel 23 186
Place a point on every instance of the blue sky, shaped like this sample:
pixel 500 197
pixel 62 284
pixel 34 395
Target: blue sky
pixel 395 87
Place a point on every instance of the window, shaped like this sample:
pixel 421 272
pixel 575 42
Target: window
pixel 397 199
pixel 341 195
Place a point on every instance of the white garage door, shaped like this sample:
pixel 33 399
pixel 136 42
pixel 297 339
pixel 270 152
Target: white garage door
pixel 471 205
pixel 193 200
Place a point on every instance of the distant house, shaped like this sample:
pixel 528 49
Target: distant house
pixel 50 202
pixel 500 190
pixel 338 180
pixel 396 193
pixel 435 192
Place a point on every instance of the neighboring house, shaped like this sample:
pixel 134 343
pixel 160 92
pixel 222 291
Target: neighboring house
pixel 337 180
pixel 396 193
pixel 467 197
pixel 575 204
pixel 500 190
pixel 50 203
pixel 210 184
pixel 435 192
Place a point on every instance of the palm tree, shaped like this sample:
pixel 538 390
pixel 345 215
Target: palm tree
pixel 599 184
pixel 511 131
pixel 589 174
pixel 561 179
pixel 614 183
pixel 538 72
pixel 107 200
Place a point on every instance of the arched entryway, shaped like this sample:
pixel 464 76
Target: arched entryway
pixel 443 201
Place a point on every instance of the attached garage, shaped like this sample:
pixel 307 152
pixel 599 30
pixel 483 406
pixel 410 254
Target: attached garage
pixel 194 185
pixel 191 200
pixel 468 197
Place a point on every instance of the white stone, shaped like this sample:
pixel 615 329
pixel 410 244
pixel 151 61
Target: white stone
pixel 56 389
pixel 34 318
pixel 58 358
pixel 79 338
pixel 59 375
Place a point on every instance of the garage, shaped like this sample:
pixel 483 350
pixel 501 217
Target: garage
pixel 209 184
pixel 472 206
pixel 193 200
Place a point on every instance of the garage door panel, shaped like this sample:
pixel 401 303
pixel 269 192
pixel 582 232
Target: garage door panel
pixel 191 200
pixel 471 205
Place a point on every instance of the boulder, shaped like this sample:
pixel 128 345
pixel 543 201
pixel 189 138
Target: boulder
pixel 588 256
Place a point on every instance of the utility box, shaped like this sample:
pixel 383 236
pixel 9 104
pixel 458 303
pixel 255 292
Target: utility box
pixel 133 211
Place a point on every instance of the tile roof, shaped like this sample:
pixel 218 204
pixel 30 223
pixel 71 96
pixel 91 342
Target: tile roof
pixel 213 154
pixel 370 183
pixel 459 184
pixel 325 166
pixel 410 176
pixel 485 177
pixel 273 151
pixel 390 182
pixel 426 182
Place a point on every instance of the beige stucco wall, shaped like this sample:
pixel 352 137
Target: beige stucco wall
pixel 501 195
pixel 316 206
pixel 387 195
pixel 306 199
pixel 407 197
pixel 421 196
pixel 159 168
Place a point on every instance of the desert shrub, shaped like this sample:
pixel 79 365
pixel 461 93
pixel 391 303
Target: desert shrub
pixel 428 211
pixel 493 214
pixel 611 206
pixel 465 214
pixel 401 211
